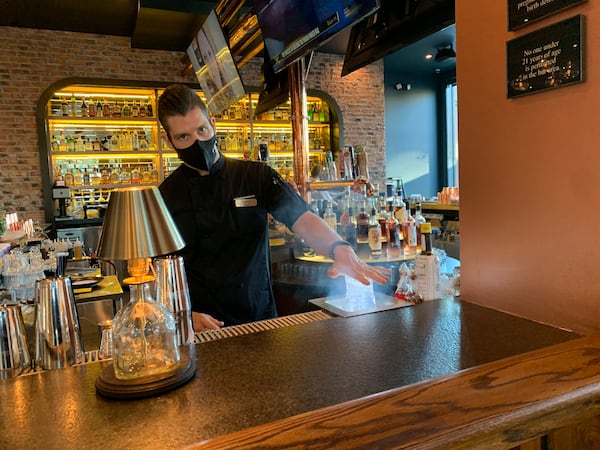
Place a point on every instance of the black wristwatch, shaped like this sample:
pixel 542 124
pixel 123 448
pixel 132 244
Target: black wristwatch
pixel 335 245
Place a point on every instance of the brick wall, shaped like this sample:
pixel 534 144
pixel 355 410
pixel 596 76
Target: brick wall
pixel 31 60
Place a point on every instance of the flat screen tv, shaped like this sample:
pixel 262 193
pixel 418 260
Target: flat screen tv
pixel 395 25
pixel 275 88
pixel 292 28
pixel 214 66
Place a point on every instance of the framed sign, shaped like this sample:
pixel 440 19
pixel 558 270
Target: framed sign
pixel 545 59
pixel 523 12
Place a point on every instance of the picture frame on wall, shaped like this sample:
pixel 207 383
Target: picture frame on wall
pixel 524 12
pixel 546 59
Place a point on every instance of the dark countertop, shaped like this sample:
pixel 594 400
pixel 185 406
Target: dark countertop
pixel 257 378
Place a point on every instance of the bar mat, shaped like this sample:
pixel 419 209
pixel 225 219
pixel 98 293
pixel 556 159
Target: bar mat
pixel 263 325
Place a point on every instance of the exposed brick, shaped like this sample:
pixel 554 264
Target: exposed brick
pixel 31 60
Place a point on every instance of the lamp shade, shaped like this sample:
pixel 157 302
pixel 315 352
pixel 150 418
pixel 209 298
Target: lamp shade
pixel 137 224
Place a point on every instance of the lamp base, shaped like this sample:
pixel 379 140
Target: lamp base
pixel 108 385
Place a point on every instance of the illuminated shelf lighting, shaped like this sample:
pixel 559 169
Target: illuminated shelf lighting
pixel 104 95
pixel 75 122
pixel 105 156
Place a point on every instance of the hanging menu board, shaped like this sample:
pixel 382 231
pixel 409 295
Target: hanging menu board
pixel 545 59
pixel 522 12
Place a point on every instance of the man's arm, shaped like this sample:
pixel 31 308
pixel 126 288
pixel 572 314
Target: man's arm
pixel 320 236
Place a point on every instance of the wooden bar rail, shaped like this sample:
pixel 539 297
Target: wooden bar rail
pixel 548 398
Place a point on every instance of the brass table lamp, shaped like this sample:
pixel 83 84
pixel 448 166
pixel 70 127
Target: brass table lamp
pixel 146 357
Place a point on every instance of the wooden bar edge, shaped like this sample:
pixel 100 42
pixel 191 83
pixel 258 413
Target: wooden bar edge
pixel 493 406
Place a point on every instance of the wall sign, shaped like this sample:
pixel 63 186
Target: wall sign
pixel 523 12
pixel 545 59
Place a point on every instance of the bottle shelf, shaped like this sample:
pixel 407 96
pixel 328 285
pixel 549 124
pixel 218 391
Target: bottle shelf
pixel 80 145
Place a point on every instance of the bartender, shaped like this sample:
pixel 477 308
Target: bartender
pixel 220 206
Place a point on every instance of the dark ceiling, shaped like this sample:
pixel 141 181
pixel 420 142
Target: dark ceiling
pixel 171 25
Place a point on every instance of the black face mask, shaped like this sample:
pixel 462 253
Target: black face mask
pixel 200 155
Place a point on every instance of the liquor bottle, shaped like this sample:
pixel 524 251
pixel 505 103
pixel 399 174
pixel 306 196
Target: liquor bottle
pixel 142 141
pixel 153 174
pixel 64 107
pixel 382 217
pixel 105 176
pixel 79 144
pixel 135 175
pixel 330 217
pixel 135 141
pixel 126 111
pixel 86 177
pixel 125 176
pixel 73 106
pixel 145 175
pixel 395 246
pixel 96 145
pixel 116 110
pixel 375 243
pixel 398 209
pixel 92 108
pixel 127 140
pixel 95 178
pixel 114 176
pixel 68 178
pixel 135 110
pixel 362 225
pixel 149 111
pixel 62 142
pixel 143 111
pixel 55 144
pixel 362 218
pixel 419 220
pixel 426 234
pixel 348 226
pixel 78 177
pixel 70 143
pixel 113 143
pixel 84 108
pixel 105 109
pixel 409 231
pixel 99 109
pixel 58 177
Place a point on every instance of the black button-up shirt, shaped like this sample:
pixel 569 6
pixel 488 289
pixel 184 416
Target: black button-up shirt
pixel 223 219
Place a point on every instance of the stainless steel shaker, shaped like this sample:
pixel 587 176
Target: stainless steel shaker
pixel 14 352
pixel 171 289
pixel 57 331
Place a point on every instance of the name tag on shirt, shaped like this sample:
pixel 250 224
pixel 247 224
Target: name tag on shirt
pixel 245 202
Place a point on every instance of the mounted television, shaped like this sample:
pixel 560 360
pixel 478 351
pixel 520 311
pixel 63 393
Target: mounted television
pixel 214 66
pixel 395 25
pixel 291 28
pixel 275 88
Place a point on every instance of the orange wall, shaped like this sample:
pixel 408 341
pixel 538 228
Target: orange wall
pixel 529 184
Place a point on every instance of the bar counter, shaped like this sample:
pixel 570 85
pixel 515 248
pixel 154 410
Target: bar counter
pixel 257 378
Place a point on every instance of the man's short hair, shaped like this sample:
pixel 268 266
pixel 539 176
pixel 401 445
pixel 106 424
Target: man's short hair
pixel 178 100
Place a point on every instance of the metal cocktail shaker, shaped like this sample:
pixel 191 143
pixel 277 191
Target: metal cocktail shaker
pixel 57 332
pixel 171 289
pixel 14 352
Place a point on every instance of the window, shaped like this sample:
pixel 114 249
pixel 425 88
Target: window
pixel 451 134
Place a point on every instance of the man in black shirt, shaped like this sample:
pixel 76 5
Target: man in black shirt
pixel 220 206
